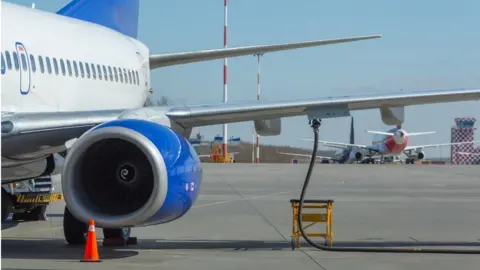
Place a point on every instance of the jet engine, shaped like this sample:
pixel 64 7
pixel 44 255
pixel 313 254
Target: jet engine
pixel 356 155
pixel 131 172
pixel 420 155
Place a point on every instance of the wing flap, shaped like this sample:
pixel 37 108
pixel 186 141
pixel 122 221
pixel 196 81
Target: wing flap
pixel 163 60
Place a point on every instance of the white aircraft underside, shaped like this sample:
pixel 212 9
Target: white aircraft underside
pixel 78 79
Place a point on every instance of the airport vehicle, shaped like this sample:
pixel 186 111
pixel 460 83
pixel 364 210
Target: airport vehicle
pixel 29 199
pixel 74 83
pixel 393 142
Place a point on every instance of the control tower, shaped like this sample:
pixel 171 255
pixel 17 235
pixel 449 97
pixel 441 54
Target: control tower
pixel 464 131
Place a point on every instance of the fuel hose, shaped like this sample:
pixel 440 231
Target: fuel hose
pixel 315 124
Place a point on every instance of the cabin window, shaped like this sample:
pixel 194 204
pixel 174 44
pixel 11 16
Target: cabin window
pixel 134 78
pixel 49 65
pixel 3 63
pixel 75 68
pixel 130 76
pixel 94 73
pixel 138 79
pixel 120 75
pixel 9 60
pixel 87 68
pixel 15 61
pixel 24 62
pixel 110 73
pixel 125 75
pixel 32 63
pixel 115 73
pixel 69 68
pixel 99 72
pixel 82 72
pixel 55 65
pixel 105 76
pixel 40 62
pixel 62 67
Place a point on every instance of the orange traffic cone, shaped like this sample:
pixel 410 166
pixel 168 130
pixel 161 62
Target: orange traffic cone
pixel 91 250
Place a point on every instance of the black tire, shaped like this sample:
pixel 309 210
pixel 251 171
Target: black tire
pixel 7 205
pixel 122 233
pixel 75 232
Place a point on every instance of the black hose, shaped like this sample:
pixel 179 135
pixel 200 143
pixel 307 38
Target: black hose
pixel 315 125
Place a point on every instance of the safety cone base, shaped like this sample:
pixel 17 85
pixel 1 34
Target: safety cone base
pixel 91 249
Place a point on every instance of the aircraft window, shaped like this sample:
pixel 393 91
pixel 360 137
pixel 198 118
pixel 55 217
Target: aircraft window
pixel 75 68
pixel 3 63
pixel 120 74
pixel 125 75
pixel 138 79
pixel 110 73
pixel 130 76
pixel 15 61
pixel 105 76
pixel 32 63
pixel 94 72
pixel 69 68
pixel 115 73
pixel 24 61
pixel 49 65
pixel 82 72
pixel 99 71
pixel 87 68
pixel 40 62
pixel 55 65
pixel 62 67
pixel 9 60
pixel 134 78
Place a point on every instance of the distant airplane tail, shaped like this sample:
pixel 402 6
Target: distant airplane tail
pixel 119 15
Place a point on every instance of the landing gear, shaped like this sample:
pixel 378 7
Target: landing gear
pixel 74 230
pixel 409 161
pixel 368 161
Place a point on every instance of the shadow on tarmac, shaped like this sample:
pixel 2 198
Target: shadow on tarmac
pixel 55 249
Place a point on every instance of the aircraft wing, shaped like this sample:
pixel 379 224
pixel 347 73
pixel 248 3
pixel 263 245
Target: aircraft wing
pixel 420 147
pixel 27 132
pixel 302 155
pixel 338 144
pixel 330 107
pixel 170 59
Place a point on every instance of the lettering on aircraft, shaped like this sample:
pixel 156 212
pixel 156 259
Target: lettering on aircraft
pixel 25 75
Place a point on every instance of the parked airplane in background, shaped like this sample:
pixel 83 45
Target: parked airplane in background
pixel 75 83
pixel 392 143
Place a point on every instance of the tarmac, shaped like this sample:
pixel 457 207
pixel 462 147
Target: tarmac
pixel 243 220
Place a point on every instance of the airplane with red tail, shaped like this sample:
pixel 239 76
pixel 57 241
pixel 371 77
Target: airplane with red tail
pixel 392 143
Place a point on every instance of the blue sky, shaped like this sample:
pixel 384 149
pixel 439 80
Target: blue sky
pixel 426 45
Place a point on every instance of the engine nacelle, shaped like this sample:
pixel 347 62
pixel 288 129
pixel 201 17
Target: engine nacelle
pixel 420 155
pixel 356 155
pixel 131 172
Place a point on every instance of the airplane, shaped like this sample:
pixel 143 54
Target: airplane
pixel 74 83
pixel 392 143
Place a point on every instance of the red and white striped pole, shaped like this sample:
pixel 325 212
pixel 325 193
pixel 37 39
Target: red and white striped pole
pixel 257 160
pixel 225 139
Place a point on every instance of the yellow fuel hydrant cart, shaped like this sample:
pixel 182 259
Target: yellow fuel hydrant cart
pixel 325 216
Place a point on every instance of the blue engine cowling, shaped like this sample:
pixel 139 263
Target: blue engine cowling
pixel 131 172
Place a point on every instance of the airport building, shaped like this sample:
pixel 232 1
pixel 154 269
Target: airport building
pixel 464 131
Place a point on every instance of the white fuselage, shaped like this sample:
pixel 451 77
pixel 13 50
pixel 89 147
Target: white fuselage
pixel 49 72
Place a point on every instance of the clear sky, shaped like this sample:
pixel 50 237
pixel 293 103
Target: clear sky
pixel 426 45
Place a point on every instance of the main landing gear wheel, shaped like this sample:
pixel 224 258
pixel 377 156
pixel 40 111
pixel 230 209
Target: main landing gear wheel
pixel 74 230
pixel 409 161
